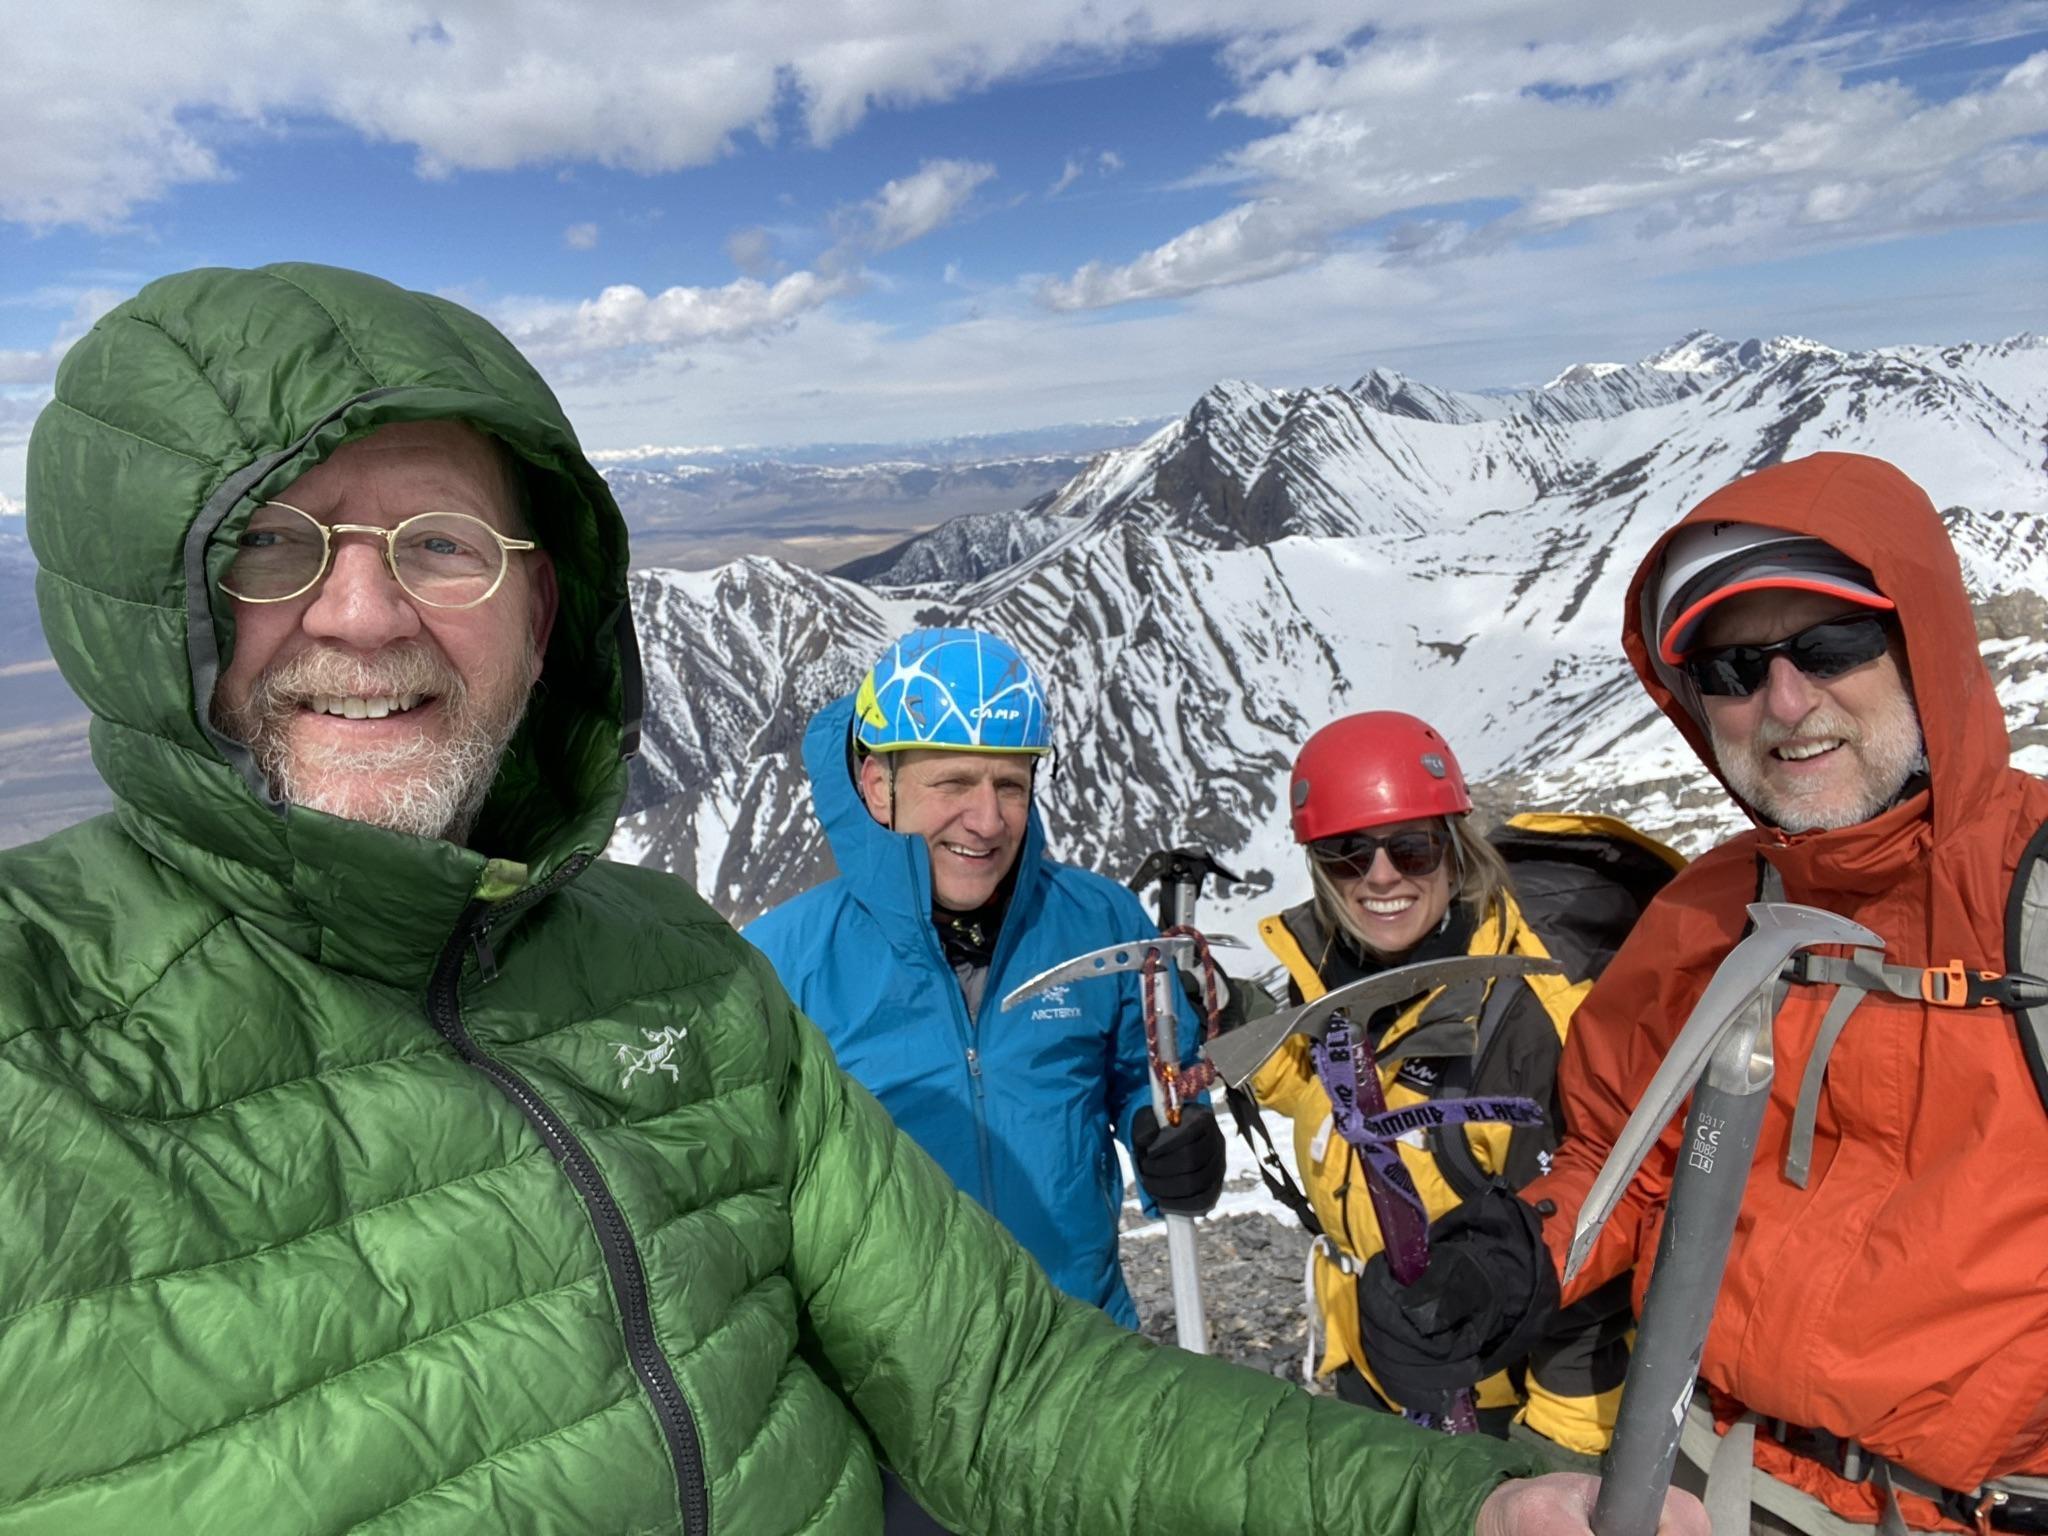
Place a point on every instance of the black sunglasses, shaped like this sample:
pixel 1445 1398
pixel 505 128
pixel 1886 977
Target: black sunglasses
pixel 1412 853
pixel 1823 650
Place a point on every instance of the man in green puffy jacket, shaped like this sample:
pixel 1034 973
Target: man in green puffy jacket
pixel 375 1158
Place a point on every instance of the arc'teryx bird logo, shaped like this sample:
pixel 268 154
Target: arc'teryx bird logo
pixel 658 1057
pixel 1053 1004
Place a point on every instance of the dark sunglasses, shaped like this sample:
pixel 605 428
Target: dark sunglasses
pixel 1412 853
pixel 1823 650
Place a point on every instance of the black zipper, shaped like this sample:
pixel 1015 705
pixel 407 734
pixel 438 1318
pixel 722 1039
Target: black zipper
pixel 621 1257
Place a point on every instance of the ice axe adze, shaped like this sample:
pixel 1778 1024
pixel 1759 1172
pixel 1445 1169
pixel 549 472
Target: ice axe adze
pixel 1181 873
pixel 1723 1058
pixel 1242 1052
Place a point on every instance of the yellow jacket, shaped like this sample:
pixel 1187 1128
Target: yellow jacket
pixel 1568 1394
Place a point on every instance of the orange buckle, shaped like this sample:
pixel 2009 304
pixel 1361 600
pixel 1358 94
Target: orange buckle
pixel 1948 986
pixel 1992 1499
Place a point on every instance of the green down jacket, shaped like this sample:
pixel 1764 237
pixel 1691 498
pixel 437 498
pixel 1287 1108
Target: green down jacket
pixel 355 1182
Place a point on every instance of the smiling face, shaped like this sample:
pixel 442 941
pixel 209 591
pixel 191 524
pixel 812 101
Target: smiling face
pixel 362 702
pixel 1809 753
pixel 971 809
pixel 1391 912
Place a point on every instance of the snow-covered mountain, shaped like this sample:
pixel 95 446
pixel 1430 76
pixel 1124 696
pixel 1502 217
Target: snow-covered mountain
pixel 1203 600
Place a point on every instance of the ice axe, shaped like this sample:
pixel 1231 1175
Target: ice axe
pixel 1157 959
pixel 1723 1058
pixel 1242 1052
pixel 1404 1223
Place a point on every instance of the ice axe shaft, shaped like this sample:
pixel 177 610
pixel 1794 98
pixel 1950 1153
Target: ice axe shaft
pixel 1723 1058
pixel 1692 1253
pixel 1190 1326
pixel 1190 1318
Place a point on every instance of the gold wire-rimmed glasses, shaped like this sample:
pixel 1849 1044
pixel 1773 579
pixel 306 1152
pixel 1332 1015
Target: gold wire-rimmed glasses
pixel 442 559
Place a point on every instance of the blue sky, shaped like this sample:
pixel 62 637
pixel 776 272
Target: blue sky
pixel 760 221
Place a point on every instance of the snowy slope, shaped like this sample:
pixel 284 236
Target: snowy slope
pixel 1203 600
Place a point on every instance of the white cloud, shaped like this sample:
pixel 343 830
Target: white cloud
pixel 912 206
pixel 1252 240
pixel 1106 163
pixel 625 316
pixel 580 237
pixel 1704 135
pixel 114 102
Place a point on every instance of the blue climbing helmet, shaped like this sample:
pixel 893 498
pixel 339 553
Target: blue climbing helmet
pixel 957 690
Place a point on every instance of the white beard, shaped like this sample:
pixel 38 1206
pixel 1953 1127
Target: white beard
pixel 424 788
pixel 1888 754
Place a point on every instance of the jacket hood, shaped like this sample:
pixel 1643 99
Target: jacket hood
pixel 172 419
pixel 1879 518
pixel 889 873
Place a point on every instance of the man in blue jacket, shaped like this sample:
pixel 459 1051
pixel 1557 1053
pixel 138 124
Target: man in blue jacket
pixel 946 900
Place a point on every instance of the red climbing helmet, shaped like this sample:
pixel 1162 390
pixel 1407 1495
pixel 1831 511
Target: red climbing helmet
pixel 1370 769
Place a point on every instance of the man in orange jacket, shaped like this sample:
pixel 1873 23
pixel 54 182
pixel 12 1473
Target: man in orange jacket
pixel 1883 1323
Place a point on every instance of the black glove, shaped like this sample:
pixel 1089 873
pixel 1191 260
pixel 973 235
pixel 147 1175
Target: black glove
pixel 1488 1296
pixel 1181 1166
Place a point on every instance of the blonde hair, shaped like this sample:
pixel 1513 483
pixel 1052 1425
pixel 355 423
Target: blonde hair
pixel 1482 880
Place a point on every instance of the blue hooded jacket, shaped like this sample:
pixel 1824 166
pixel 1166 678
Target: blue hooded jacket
pixel 1017 1107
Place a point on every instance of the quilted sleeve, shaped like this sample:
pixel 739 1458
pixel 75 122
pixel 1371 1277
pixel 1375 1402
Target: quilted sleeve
pixel 1008 1409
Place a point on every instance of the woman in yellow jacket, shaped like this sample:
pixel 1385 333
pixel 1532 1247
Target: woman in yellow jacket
pixel 1380 807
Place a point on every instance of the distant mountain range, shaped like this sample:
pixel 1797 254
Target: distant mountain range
pixel 829 502
pixel 1204 599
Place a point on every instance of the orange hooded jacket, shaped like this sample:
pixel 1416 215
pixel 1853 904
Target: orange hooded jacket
pixel 1901 1298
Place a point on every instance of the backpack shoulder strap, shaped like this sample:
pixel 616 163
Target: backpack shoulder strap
pixel 1865 971
pixel 1449 1144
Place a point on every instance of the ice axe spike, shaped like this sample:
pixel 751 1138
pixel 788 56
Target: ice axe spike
pixel 1242 1052
pixel 1779 930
